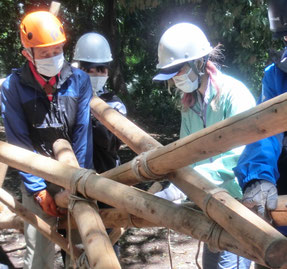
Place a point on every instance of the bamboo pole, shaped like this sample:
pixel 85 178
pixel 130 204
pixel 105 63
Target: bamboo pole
pixel 264 120
pixel 3 172
pixel 89 222
pixel 9 220
pixel 44 228
pixel 55 8
pixel 134 201
pixel 116 234
pixel 115 218
pixel 279 215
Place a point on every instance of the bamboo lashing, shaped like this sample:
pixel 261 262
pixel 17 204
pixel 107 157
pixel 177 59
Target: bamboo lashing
pixel 134 201
pixel 44 228
pixel 259 122
pixel 89 222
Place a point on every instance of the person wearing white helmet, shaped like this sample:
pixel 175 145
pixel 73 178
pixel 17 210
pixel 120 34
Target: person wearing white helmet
pixel 187 61
pixel 93 55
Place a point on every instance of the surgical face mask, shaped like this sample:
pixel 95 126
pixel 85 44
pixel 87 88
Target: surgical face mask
pixel 184 83
pixel 98 82
pixel 50 66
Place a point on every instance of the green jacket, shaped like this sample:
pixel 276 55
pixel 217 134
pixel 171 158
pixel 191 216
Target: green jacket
pixel 234 98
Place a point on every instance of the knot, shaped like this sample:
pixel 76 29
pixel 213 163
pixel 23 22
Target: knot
pixel 80 176
pixel 141 160
pixel 213 237
pixel 83 262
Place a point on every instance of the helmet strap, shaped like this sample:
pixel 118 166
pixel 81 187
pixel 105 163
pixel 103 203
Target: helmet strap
pixel 31 53
pixel 199 71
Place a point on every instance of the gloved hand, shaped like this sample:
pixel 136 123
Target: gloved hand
pixel 259 196
pixel 46 202
pixel 172 193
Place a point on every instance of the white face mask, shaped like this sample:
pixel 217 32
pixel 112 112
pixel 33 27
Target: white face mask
pixel 50 66
pixel 184 83
pixel 98 82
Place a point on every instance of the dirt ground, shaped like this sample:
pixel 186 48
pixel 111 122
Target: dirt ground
pixel 139 248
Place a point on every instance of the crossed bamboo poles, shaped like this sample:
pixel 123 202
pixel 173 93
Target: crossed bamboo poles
pixel 244 232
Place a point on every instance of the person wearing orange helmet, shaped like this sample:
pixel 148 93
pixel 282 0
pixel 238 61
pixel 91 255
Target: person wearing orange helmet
pixel 43 101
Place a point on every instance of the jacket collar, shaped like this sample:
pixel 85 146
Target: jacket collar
pixel 27 77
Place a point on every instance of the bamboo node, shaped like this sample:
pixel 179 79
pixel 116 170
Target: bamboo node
pixel 142 159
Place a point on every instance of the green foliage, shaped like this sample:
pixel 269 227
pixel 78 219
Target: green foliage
pixel 134 27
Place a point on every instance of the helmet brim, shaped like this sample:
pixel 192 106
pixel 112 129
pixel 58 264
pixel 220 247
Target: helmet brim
pixel 168 73
pixel 89 65
pixel 164 76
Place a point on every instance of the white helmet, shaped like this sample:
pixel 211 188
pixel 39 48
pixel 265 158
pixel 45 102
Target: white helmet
pixel 181 43
pixel 93 48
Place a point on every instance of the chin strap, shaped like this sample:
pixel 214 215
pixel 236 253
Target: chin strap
pixel 199 71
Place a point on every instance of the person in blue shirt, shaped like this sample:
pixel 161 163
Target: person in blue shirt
pixel 261 167
pixel 43 101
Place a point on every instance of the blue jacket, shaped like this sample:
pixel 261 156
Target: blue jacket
pixel 34 123
pixel 259 159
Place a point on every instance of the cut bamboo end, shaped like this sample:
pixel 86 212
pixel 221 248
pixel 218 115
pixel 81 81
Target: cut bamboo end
pixel 275 255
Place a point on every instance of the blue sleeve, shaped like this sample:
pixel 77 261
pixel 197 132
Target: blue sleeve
pixel 259 159
pixel 82 142
pixel 16 128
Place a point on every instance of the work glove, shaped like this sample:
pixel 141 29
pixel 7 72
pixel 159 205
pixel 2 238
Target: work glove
pixel 261 196
pixel 47 203
pixel 172 193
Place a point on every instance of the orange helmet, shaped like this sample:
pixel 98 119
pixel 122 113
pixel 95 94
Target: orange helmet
pixel 41 29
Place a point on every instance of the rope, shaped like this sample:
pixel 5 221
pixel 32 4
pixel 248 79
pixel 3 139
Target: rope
pixel 83 262
pixel 79 177
pixel 208 197
pixel 197 254
pixel 212 241
pixel 141 160
pixel 169 248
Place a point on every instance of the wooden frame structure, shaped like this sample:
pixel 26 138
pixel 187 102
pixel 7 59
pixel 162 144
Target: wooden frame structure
pixel 224 223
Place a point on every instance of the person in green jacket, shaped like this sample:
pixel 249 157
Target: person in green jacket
pixel 187 61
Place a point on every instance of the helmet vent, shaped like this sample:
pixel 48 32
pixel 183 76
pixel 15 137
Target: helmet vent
pixel 30 36
pixel 25 29
pixel 61 29
pixel 186 55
